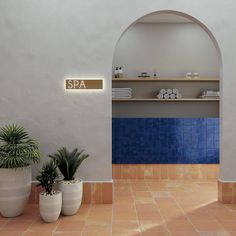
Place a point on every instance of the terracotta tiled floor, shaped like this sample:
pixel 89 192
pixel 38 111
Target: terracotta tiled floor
pixel 141 208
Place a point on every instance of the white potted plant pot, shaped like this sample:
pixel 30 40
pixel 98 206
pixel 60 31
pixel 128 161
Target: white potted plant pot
pixel 50 206
pixel 71 188
pixel 15 187
pixel 72 192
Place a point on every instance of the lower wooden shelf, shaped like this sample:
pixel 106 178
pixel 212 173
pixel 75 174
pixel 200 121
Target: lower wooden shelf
pixel 165 100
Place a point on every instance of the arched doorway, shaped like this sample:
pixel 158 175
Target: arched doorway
pixel 208 76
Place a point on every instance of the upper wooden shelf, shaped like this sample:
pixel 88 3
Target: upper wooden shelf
pixel 173 79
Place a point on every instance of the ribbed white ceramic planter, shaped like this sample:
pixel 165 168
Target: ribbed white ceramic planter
pixel 50 206
pixel 72 193
pixel 15 187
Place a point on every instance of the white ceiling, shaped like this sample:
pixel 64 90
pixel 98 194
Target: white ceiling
pixel 164 18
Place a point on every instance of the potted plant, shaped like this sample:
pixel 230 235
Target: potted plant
pixel 17 152
pixel 50 201
pixel 71 188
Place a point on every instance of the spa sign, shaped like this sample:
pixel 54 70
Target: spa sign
pixel 83 84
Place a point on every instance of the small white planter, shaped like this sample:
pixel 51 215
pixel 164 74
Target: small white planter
pixel 15 187
pixel 50 206
pixel 72 192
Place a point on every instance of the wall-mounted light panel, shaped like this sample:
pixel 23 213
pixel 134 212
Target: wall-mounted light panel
pixel 83 84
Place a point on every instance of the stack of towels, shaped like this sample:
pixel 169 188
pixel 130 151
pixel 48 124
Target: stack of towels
pixel 210 94
pixel 169 94
pixel 121 93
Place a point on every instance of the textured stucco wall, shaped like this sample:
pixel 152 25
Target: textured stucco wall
pixel 42 42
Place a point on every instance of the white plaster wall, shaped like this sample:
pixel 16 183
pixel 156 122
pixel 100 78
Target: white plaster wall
pixel 42 42
pixel 168 49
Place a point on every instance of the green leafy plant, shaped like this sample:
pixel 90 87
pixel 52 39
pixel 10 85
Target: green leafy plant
pixel 17 149
pixel 47 176
pixel 68 162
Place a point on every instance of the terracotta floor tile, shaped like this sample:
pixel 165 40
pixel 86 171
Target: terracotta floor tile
pixel 124 212
pixel 210 225
pixel 213 233
pixel 229 225
pixel 16 225
pixel 125 225
pixel 97 233
pixel 179 224
pixel 153 233
pixel 96 226
pixel 2 223
pixel 70 226
pixel 140 188
pixel 142 194
pixel 40 226
pixel 33 233
pixel 127 233
pixel 11 233
pixel 153 226
pixel 151 215
pixel 75 233
pixel 183 233
pixel 146 207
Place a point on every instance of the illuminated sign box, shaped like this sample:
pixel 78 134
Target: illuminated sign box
pixel 83 84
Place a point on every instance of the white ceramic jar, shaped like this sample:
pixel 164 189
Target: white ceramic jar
pixel 72 192
pixel 15 188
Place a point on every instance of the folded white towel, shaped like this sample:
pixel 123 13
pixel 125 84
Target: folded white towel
pixel 169 91
pixel 172 96
pixel 121 96
pixel 122 92
pixel 121 89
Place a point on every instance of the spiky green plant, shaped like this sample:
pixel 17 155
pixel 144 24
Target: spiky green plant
pixel 68 162
pixel 47 176
pixel 17 149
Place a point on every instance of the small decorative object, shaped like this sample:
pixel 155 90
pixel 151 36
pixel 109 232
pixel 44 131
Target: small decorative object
pixel 116 73
pixel 144 75
pixel 50 201
pixel 120 72
pixel 189 75
pixel 195 75
pixel 71 188
pixel 17 152
pixel 169 94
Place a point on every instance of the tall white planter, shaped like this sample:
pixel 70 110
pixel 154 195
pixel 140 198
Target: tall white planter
pixel 50 206
pixel 15 187
pixel 72 192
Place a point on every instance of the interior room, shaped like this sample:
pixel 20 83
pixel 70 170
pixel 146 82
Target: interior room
pixel 117 118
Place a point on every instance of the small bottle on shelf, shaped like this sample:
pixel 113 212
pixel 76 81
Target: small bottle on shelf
pixel 116 73
pixel 120 73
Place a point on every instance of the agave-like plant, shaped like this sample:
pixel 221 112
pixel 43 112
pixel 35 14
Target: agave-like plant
pixel 47 176
pixel 68 162
pixel 17 149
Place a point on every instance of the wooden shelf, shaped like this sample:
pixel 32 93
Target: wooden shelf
pixel 164 100
pixel 173 79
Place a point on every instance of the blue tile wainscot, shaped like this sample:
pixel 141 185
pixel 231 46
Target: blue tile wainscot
pixel 165 140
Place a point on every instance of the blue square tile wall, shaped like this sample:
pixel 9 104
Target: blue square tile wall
pixel 165 140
